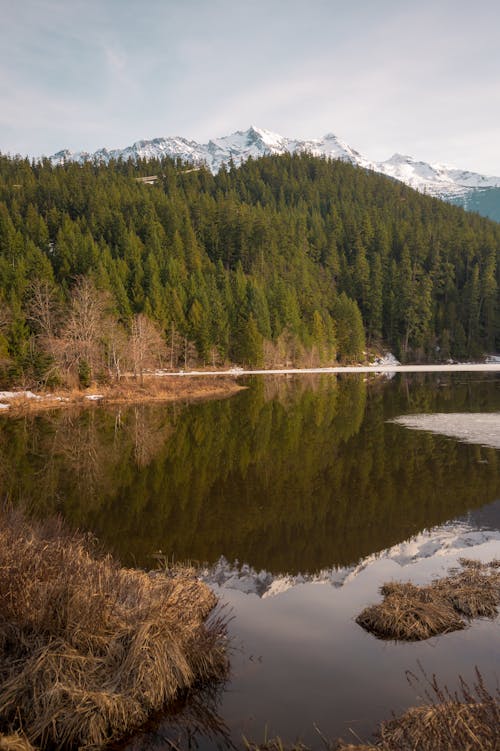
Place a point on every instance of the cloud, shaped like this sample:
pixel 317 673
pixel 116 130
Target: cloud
pixel 385 76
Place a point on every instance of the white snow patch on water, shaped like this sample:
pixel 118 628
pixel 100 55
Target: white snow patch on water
pixel 480 427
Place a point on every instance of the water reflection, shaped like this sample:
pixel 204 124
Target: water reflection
pixel 291 475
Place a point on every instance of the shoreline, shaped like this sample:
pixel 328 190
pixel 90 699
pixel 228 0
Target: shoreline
pixel 152 391
pixel 376 369
pixel 155 388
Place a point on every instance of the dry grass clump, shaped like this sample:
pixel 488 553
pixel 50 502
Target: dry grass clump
pixel 413 613
pixel 468 720
pixel 409 613
pixel 274 744
pixel 14 742
pixel 89 650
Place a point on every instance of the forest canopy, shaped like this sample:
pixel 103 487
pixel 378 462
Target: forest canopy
pixel 285 260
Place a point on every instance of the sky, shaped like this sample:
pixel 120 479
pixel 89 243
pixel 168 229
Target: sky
pixel 407 76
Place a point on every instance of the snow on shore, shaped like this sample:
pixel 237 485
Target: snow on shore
pixel 466 367
pixel 6 396
pixel 482 427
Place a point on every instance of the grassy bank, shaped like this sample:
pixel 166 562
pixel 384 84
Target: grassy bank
pixel 127 391
pixel 90 650
pixel 413 613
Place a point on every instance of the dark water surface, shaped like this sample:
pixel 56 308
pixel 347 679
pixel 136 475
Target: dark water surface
pixel 293 475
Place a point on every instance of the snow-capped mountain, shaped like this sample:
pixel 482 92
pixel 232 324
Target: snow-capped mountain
pixel 238 147
pixel 437 180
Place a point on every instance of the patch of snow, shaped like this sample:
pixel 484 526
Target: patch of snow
pixel 94 397
pixel 481 427
pixel 8 395
pixel 441 368
pixel 493 359
pixel 385 360
pixel 4 406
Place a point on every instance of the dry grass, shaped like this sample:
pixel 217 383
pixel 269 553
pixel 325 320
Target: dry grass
pixel 15 742
pixel 89 650
pixel 413 613
pixel 466 721
pixel 130 391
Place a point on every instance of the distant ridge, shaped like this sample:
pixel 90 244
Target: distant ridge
pixel 470 189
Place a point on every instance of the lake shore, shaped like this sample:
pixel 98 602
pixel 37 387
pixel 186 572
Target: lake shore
pixel 168 386
pixel 466 367
pixel 153 390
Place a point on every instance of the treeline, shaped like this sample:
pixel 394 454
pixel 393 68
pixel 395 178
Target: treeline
pixel 285 260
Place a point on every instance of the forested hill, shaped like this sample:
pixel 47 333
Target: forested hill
pixel 286 259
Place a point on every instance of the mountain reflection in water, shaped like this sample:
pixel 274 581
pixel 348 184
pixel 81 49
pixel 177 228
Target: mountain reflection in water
pixel 292 475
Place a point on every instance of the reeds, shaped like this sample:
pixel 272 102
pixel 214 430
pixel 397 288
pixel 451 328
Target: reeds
pixel 413 613
pixel 468 720
pixel 89 650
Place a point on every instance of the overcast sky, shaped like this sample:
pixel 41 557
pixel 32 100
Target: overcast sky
pixel 418 77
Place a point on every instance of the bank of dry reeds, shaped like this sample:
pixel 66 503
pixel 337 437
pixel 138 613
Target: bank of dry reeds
pixel 468 720
pixel 89 650
pixel 413 613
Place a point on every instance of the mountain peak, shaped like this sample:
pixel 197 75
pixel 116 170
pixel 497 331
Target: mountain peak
pixel 436 179
pixel 397 158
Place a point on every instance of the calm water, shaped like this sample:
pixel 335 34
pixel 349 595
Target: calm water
pixel 294 475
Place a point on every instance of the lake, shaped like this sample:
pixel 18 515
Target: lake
pixel 298 496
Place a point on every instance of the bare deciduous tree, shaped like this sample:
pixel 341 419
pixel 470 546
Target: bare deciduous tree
pixel 116 346
pixel 81 340
pixel 147 345
pixel 45 314
pixel 44 309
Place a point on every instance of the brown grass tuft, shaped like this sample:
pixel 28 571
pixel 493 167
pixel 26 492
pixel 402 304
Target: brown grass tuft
pixel 14 742
pixel 466 721
pixel 413 613
pixel 89 650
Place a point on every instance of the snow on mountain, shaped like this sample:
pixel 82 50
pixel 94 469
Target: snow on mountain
pixel 437 180
pixel 448 542
pixel 238 147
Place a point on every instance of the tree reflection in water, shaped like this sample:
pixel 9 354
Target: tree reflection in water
pixel 294 474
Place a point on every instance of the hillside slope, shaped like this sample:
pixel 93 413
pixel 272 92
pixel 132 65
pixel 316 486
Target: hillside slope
pixel 287 259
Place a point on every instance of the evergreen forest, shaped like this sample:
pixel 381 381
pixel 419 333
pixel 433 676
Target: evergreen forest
pixel 286 260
